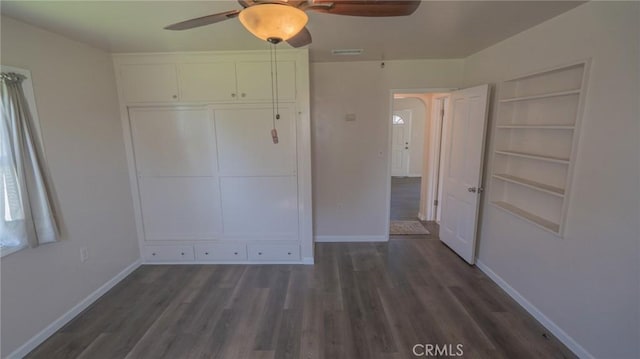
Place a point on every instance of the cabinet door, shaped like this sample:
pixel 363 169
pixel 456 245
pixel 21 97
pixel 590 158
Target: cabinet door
pixel 260 207
pixel 180 208
pixel 208 82
pixel 245 146
pixel 149 83
pixel 254 80
pixel 173 142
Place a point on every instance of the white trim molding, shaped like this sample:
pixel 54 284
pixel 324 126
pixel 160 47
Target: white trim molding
pixel 576 348
pixel 50 329
pixel 325 239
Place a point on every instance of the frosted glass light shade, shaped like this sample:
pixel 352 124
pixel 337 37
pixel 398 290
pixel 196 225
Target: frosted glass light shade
pixel 273 21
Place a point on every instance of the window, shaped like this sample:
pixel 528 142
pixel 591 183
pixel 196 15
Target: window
pixel 397 120
pixel 23 221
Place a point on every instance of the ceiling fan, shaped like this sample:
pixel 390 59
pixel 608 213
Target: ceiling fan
pixel 285 20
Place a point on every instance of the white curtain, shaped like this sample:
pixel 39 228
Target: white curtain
pixel 26 212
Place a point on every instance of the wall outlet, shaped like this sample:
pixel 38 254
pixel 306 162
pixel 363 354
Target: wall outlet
pixel 84 254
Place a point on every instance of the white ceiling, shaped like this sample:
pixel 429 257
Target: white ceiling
pixel 438 29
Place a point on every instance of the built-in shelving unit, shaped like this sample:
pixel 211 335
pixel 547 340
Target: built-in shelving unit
pixel 535 144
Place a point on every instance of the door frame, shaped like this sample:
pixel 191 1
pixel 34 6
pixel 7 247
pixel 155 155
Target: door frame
pixel 434 192
pixel 392 93
pixel 408 162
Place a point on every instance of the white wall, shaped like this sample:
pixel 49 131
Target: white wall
pixel 588 282
pixel 350 159
pixel 77 104
pixel 418 120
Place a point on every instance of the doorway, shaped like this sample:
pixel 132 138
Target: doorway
pixel 452 151
pixel 415 130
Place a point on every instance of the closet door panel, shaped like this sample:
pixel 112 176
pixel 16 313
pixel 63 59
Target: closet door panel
pixel 254 80
pixel 180 208
pixel 173 142
pixel 260 206
pixel 149 83
pixel 208 82
pixel 245 146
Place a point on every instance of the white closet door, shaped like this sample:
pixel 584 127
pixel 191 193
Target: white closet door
pixel 176 208
pixel 173 142
pixel 260 207
pixel 175 155
pixel 245 146
pixel 254 80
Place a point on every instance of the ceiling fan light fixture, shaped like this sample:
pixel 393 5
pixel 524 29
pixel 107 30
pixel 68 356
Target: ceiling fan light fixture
pixel 273 21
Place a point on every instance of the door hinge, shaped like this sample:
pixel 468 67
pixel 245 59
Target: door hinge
pixel 435 202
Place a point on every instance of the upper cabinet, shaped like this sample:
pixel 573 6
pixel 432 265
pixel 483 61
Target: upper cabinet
pixel 208 82
pixel 254 80
pixel 149 83
pixel 221 79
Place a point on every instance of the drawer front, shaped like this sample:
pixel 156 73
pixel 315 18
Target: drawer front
pixel 221 252
pixel 168 253
pixel 274 252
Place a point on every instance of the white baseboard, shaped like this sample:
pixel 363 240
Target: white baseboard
pixel 576 348
pixel 158 263
pixel 45 333
pixel 307 260
pixel 422 217
pixel 350 238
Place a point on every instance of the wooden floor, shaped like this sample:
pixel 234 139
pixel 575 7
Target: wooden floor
pixel 405 198
pixel 364 300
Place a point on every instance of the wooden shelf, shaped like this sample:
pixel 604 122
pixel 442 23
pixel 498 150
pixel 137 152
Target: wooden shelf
pixel 539 221
pixel 537 127
pixel 556 191
pixel 536 97
pixel 534 156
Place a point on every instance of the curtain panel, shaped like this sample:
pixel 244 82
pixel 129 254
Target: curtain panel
pixel 26 212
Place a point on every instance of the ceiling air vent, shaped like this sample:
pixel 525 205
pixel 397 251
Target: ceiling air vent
pixel 346 52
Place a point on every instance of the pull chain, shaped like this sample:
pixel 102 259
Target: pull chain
pixel 275 108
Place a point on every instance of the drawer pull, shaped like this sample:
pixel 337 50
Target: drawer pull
pixel 206 253
pixel 153 254
pixel 289 253
pixel 235 253
pixel 259 253
pixel 243 94
pixel 181 253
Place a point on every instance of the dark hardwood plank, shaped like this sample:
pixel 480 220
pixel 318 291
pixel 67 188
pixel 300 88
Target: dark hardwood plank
pixel 360 300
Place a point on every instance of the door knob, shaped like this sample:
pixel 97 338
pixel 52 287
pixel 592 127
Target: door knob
pixel 406 148
pixel 472 189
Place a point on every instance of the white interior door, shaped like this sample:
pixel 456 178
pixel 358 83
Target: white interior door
pixel 401 137
pixel 463 146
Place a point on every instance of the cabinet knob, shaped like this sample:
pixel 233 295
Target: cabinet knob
pixel 206 253
pixel 235 253
pixel 259 253
pixel 289 253
pixel 243 94
pixel 153 254
pixel 233 95
pixel 175 96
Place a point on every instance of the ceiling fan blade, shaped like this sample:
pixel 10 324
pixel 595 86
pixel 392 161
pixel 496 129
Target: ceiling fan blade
pixel 300 39
pixel 204 20
pixel 371 8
